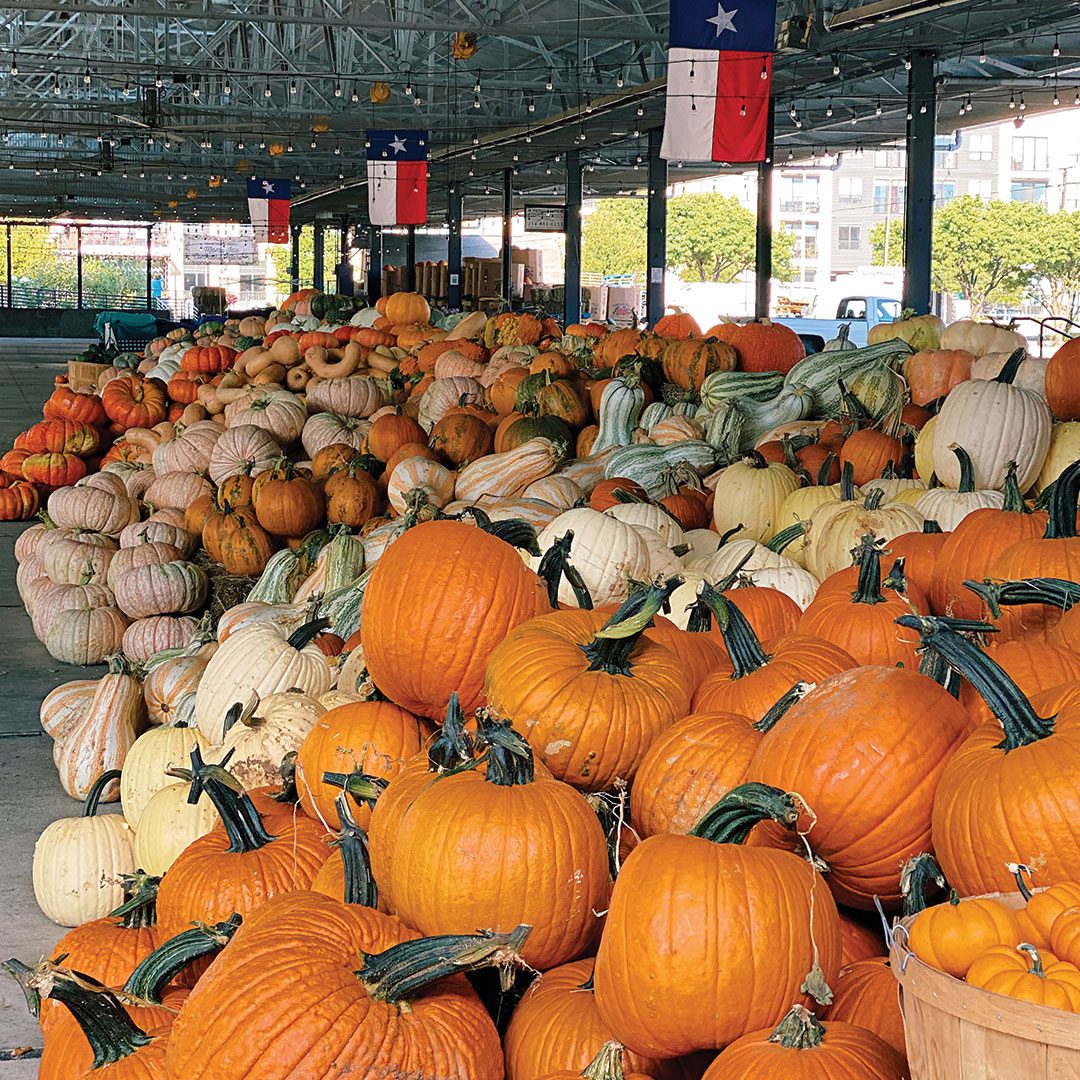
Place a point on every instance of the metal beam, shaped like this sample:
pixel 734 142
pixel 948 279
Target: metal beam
pixel 655 230
pixel 919 198
pixel 149 268
pixel 764 225
pixel 294 258
pixel 507 252
pixel 319 268
pixel 453 249
pixel 410 258
pixel 375 261
pixel 572 287
pixel 78 268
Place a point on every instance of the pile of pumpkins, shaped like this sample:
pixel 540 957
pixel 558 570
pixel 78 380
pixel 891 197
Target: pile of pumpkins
pixel 813 609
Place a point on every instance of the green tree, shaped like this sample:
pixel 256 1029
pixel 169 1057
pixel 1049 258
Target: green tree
pixel 36 261
pixel 710 237
pixel 281 254
pixel 887 243
pixel 1056 284
pixel 613 238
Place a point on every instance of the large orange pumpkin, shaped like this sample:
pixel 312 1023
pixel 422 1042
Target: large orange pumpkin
pixel 677 326
pixel 1062 384
pixel 932 373
pixel 768 346
pixel 439 601
pixel 67 404
pixel 131 401
pixel 406 307
pixel 687 363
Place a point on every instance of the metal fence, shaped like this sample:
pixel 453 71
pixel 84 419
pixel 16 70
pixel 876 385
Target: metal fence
pixel 28 295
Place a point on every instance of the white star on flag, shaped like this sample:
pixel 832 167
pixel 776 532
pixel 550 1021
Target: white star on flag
pixel 268 187
pixel 724 20
pixel 398 144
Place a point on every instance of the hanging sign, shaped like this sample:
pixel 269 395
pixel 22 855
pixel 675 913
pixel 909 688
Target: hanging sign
pixel 545 219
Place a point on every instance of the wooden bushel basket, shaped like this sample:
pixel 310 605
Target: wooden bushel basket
pixel 959 1032
pixel 83 375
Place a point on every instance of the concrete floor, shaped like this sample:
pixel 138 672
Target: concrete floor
pixel 30 797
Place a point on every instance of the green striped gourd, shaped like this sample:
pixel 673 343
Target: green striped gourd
pixel 821 372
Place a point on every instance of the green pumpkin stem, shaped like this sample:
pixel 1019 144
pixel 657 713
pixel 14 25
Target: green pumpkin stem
pixel 1014 498
pixel 607 1065
pixel 1018 871
pixel 1011 368
pixel 967 470
pixel 732 818
pixel 111 1033
pixel 304 635
pixel 743 647
pixel 897 579
pixel 613 643
pixel 799 1030
pixel 508 757
pixel 405 969
pixel 847 482
pixel 452 746
pixel 139 909
pixel 1053 592
pixel 874 499
pixel 154 973
pixel 242 822
pixel 786 536
pixel 919 876
pixel 1003 697
pixel 1034 959
pixel 93 796
pixel 364 790
pixel 555 565
pixel 826 469
pixel 931 527
pixel 1062 505
pixel 352 845
pixel 868 559
pixel 780 707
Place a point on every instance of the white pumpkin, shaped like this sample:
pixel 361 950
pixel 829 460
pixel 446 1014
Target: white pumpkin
pixel 243 450
pixel 136 475
pixel 263 659
pixel 171 588
pixel 948 507
pixel 980 338
pixel 279 412
pixel 91 507
pixel 649 516
pixel 663 562
pixel 176 490
pixel 1031 376
pixel 996 423
pixel 556 490
pixel 761 565
pixel 357 395
pixel 85 636
pixel 433 480
pixel 701 542
pixel 190 452
pixel 1064 450
pixel 325 428
pixel 147 637
pixel 65 597
pixel 445 394
pixel 159 532
pixel 267 730
pixel 749 495
pixel 605 551
pixel 76 557
pixel 78 865
pixel 168 824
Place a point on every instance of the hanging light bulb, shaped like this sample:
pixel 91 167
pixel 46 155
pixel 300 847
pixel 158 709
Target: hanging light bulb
pixel 86 75
pixel 418 101
pixel 1057 98
pixel 854 117
pixel 515 156
pixel 922 110
pixel 314 144
pixel 15 62
pixel 982 54
pixel 267 92
pixel 476 88
pixel 340 174
pixel 476 103
pixel 528 137
pixel 742 108
pixel 764 69
pixel 907 63
pixel 354 97
pixel 288 148
pixel 150 140
pixel 337 149
pixel 262 144
pixel 836 65
pixel 620 82
pixel 548 85
pixel 969 104
pixel 531 107
pixel 226 87
pixel 157 81
pixel 239 144
pixel 1056 51
pixel 408 88
pixel 337 89
pixel 877 109
pixel 1023 103
pixel 1076 99
pixel 292 87
pixel 56 85
pixel 127 88
pixel 791 155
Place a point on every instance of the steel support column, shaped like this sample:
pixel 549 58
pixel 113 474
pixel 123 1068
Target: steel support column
pixel 294 259
pixel 453 250
pixel 572 288
pixel 375 261
pixel 343 271
pixel 10 273
pixel 763 242
pixel 507 252
pixel 149 268
pixel 318 272
pixel 656 230
pixel 919 198
pixel 78 268
pixel 410 258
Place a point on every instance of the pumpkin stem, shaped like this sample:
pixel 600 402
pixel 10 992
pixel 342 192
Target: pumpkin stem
pixel 613 643
pixel 874 499
pixel 729 582
pixel 785 537
pixel 1011 368
pixel 555 565
pixel 755 460
pixel 307 633
pixel 743 647
pixel 352 845
pixel 509 757
pixel 405 969
pixel 743 807
pixel 612 811
pixel 154 972
pixel 799 1030
pixel 868 559
pixel 919 875
pixel 624 496
pixel 847 482
pixel 780 707
pixel 934 666
pixel 452 745
pixel 1014 498
pixel 93 796
pixel 1062 505
pixel 1053 592
pixel 897 580
pixel 1004 698
pixel 242 822
pixel 726 536
pixel 607 1065
pixel 364 790
pixel 967 470
pixel 826 469
pixel 1035 964
pixel 1018 871
pixel 930 526
pixel 111 1033
pixel 139 909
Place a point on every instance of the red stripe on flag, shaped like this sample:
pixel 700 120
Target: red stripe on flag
pixel 739 86
pixel 277 225
pixel 411 192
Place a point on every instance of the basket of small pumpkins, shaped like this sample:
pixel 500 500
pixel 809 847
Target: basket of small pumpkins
pixel 990 984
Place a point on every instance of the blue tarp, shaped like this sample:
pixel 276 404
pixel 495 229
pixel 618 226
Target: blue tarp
pixel 127 324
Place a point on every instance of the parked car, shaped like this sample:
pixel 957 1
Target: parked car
pixel 859 312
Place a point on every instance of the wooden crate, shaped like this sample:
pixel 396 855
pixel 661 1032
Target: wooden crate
pixel 83 375
pixel 959 1032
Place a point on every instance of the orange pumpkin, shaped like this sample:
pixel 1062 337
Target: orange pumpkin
pixel 932 373
pixel 768 346
pixel 1062 385
pixel 131 401
pixel 390 432
pixel 687 363
pixel 677 326
pixel 209 359
pixel 460 438
pixel 406 307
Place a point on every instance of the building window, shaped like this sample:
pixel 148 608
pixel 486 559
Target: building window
pixel 984 189
pixel 849 237
pixel 850 190
pixel 805 234
pixel 944 191
pixel 981 146
pixel 944 159
pixel 1071 196
pixel 1032 191
pixel 889 196
pixel 1030 153
pixel 809 276
pixel 799 194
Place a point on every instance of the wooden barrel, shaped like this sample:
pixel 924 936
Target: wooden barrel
pixel 958 1032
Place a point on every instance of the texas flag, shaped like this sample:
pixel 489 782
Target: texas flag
pixel 397 177
pixel 719 80
pixel 268 205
